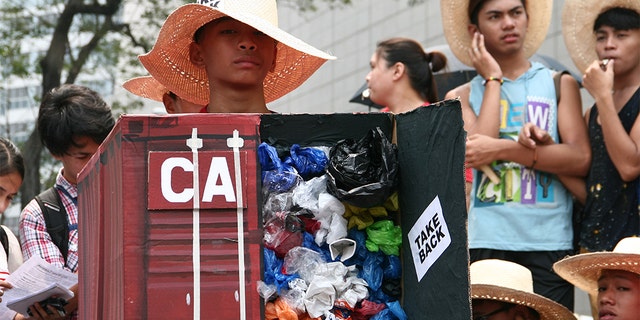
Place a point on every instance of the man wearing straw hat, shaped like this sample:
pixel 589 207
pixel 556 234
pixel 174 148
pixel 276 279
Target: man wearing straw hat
pixel 613 276
pixel 230 55
pixel 603 39
pixel 526 217
pixel 504 290
pixel 150 88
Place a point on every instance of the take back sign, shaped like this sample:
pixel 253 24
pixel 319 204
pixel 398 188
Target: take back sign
pixel 171 179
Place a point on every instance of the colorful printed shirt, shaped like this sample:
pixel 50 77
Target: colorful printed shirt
pixel 529 210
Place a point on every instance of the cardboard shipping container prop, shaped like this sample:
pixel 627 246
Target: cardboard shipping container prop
pixel 179 217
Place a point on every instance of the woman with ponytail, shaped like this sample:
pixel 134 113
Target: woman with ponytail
pixel 401 76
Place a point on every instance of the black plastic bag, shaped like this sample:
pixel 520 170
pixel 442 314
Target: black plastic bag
pixel 363 173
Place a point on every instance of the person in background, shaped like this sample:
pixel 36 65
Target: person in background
pixel 150 88
pixel 613 277
pixel 401 76
pixel 72 122
pixel 504 290
pixel 237 59
pixel 526 216
pixel 603 39
pixel 11 176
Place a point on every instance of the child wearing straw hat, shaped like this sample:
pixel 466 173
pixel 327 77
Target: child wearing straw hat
pixel 150 88
pixel 504 290
pixel 526 216
pixel 612 276
pixel 230 55
pixel 603 39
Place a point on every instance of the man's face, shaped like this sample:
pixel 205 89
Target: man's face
pixel 235 54
pixel 621 45
pixel 503 24
pixel 618 295
pixel 76 157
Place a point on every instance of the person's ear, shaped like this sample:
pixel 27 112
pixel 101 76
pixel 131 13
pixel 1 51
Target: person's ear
pixel 196 56
pixel 398 70
pixel 472 28
pixel 169 104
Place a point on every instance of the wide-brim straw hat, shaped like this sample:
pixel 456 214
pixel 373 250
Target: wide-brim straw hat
pixel 168 61
pixel 146 87
pixel 509 282
pixel 584 270
pixel 578 18
pixel 455 20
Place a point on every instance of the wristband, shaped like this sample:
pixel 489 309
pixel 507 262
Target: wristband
pixel 484 83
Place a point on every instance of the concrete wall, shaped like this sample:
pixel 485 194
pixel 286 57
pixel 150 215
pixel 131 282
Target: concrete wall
pixel 351 33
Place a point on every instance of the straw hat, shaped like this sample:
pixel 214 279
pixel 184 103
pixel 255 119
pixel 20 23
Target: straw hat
pixel 169 63
pixel 510 282
pixel 578 17
pixel 146 87
pixel 583 270
pixel 455 20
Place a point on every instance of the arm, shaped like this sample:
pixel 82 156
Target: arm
pixel 489 118
pixel 570 157
pixel 623 148
pixel 34 238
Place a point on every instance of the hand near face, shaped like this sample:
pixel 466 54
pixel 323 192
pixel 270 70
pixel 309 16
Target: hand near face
pixel 484 63
pixel 598 79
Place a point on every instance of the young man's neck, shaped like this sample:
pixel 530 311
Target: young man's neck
pixel 237 102
pixel 627 81
pixel 513 66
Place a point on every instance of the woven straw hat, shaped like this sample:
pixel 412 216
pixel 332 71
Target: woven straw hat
pixel 455 20
pixel 583 270
pixel 146 87
pixel 510 282
pixel 169 63
pixel 578 18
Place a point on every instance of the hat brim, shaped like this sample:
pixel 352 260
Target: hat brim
pixel 169 62
pixel 146 87
pixel 583 270
pixel 547 308
pixel 578 18
pixel 455 22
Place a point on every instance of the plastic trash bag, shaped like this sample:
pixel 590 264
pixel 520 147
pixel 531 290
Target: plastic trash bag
pixel 363 173
pixel 310 162
pixel 282 233
pixel 383 235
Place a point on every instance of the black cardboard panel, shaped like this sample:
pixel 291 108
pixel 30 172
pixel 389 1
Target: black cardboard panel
pixel 431 146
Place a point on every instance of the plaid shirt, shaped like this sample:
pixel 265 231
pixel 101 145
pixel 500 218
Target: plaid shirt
pixel 36 240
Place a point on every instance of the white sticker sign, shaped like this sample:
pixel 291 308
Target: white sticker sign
pixel 429 238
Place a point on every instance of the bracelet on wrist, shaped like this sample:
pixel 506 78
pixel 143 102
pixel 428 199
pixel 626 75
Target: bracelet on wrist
pixel 484 83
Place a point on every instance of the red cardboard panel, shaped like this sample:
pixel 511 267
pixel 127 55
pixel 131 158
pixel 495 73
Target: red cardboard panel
pixel 139 263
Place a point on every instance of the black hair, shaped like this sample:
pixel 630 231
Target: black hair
pixel 69 112
pixel 420 65
pixel 476 5
pixel 10 158
pixel 618 18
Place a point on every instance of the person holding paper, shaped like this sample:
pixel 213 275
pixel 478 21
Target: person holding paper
pixel 11 177
pixel 72 122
